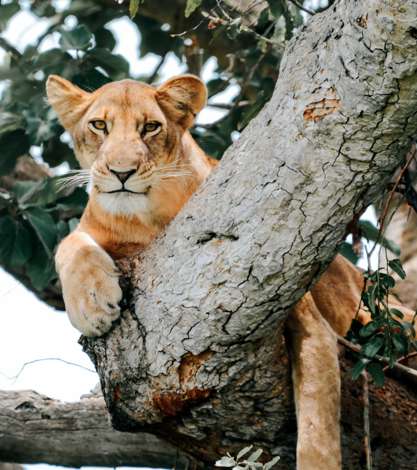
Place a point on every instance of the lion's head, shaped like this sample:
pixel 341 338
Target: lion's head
pixel 128 134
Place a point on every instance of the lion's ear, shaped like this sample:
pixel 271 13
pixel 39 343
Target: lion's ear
pixel 181 98
pixel 67 100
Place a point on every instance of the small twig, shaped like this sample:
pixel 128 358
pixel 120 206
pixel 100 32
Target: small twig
pixel 55 21
pixel 366 422
pixel 194 28
pixel 221 21
pixel 9 48
pixel 411 156
pixel 34 361
pixel 356 348
pixel 209 126
pixel 408 356
pixel 240 104
pixel 223 11
pixel 402 359
pixel 156 70
pixel 302 7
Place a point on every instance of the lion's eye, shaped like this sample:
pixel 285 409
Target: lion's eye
pixel 151 127
pixel 99 125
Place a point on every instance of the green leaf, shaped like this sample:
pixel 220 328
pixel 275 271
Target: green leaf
pixel 10 122
pixel 22 248
pixel 396 266
pixel 62 230
pixel 243 452
pixel 114 64
pixel 371 348
pixel 396 312
pixel 369 298
pixel 358 368
pixel 191 6
pixel 7 237
pixel 376 372
pixel 16 242
pixel 44 226
pixel 40 268
pixel 79 38
pixel 12 145
pixel 254 456
pixel 43 9
pixel 52 61
pixel 134 7
pixel 91 79
pixel 271 463
pixel 73 204
pixel 225 462
pixel 6 12
pixel 400 343
pixel 276 7
pixel 385 280
pixel 369 329
pixel 346 250
pixel 105 39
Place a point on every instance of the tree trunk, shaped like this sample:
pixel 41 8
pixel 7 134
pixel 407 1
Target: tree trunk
pixel 199 356
pixel 34 428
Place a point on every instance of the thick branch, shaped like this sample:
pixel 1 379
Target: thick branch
pixel 201 353
pixel 34 429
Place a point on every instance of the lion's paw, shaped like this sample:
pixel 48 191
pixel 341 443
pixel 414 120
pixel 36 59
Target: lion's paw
pixel 92 293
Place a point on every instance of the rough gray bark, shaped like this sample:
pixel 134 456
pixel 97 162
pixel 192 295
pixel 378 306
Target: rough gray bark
pixel 34 429
pixel 199 357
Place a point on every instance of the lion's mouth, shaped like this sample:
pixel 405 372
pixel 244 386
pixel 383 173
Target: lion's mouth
pixel 124 190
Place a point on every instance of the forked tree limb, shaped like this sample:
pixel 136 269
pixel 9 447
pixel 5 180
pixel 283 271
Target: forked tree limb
pixel 199 358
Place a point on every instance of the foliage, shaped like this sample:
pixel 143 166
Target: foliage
pixel 387 334
pixel 249 463
pixel 364 229
pixel 32 221
pixel 35 216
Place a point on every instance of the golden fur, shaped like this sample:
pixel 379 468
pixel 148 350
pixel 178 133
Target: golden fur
pixel 162 168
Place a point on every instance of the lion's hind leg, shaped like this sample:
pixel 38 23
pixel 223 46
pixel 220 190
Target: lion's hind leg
pixel 316 382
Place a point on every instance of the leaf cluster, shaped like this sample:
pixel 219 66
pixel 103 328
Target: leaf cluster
pixel 34 217
pixel 387 335
pixel 243 461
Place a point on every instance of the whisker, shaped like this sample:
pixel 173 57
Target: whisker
pixel 173 175
pixel 73 179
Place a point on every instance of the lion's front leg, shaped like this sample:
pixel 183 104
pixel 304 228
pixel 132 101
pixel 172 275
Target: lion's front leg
pixel 316 382
pixel 90 284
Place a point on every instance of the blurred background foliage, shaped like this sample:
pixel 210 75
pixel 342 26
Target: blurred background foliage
pixel 245 46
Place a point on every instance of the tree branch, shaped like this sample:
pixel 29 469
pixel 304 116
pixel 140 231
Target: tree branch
pixel 34 428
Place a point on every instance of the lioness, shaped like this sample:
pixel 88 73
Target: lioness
pixel 144 165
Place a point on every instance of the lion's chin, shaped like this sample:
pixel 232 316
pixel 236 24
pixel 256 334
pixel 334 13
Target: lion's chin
pixel 125 203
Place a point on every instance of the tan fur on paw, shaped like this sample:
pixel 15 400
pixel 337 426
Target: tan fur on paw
pixel 91 290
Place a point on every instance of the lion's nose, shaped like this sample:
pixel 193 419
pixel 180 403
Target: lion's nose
pixel 123 176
